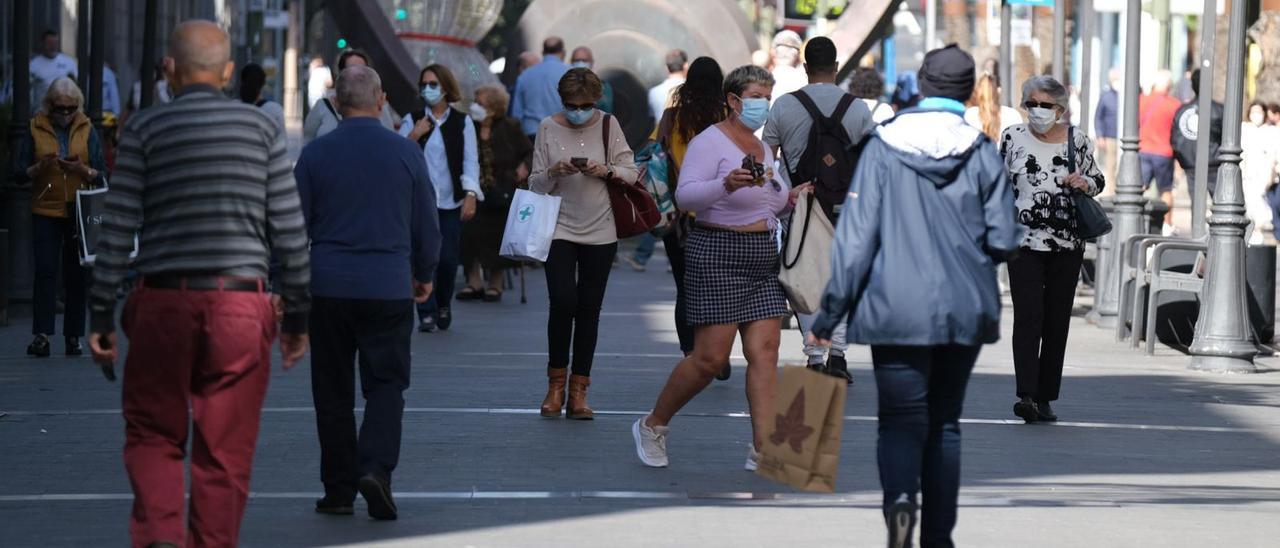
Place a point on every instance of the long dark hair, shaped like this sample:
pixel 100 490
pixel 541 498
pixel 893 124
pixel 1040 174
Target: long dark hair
pixel 252 79
pixel 699 101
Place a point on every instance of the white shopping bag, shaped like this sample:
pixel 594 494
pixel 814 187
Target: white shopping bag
pixel 531 224
pixel 806 255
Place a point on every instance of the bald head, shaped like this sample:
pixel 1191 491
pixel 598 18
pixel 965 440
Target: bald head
pixel 528 59
pixel 1162 82
pixel 359 92
pixel 199 53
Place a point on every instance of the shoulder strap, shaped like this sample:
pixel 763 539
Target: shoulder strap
pixel 1071 149
pixel 804 233
pixel 332 110
pixel 808 104
pixel 841 108
pixel 607 121
pixel 260 102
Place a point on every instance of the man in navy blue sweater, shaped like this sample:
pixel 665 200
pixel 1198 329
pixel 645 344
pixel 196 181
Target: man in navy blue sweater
pixel 375 240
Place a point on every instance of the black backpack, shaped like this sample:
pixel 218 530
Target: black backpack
pixel 830 155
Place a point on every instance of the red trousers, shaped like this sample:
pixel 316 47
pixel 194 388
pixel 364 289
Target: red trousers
pixel 208 352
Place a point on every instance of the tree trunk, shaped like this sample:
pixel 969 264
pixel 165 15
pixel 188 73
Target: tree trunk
pixel 1266 33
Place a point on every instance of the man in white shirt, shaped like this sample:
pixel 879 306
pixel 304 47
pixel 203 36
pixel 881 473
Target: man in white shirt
pixel 787 74
pixel 660 95
pixel 50 65
pixel 319 80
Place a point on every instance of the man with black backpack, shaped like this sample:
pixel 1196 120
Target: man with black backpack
pixel 819 129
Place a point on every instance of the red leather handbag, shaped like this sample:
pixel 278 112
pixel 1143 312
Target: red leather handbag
pixel 634 211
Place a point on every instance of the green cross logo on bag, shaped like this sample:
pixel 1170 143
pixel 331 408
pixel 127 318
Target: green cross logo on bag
pixel 525 213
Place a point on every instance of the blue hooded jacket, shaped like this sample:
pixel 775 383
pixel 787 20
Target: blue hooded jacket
pixel 929 215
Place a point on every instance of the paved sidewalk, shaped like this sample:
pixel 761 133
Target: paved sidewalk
pixel 1148 453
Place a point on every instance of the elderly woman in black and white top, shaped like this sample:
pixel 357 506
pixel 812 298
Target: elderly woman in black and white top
pixel 1043 276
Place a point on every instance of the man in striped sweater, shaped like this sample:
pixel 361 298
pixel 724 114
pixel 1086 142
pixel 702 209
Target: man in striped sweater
pixel 207 184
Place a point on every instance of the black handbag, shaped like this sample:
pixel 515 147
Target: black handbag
pixel 1091 220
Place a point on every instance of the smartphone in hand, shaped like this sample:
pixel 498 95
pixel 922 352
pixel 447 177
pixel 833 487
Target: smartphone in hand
pixel 578 162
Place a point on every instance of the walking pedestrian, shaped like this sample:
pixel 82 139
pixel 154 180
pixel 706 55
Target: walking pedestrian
pixel 50 65
pixel 324 116
pixel 805 125
pixel 537 93
pixel 1259 170
pixel 372 254
pixel 699 104
pixel 572 161
pixel 253 83
pixel 1106 123
pixel 660 96
pixel 867 85
pixel 1185 134
pixel 1046 167
pixel 985 111
pixel 583 57
pixel 319 81
pixel 786 71
pixel 504 166
pixel 925 325
pixel 60 155
pixel 447 138
pixel 200 323
pixel 727 180
pixel 1155 151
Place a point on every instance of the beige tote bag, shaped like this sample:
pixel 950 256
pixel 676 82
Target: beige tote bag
pixel 806 255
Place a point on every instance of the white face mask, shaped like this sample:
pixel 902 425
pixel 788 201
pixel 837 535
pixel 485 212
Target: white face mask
pixel 1042 119
pixel 478 113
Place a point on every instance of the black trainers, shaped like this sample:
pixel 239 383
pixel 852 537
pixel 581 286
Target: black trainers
pixel 1045 412
pixel 838 367
pixel 427 325
pixel 377 493
pixel 901 521
pixel 444 318
pixel 335 506
pixel 74 347
pixel 39 347
pixel 1027 410
pixel 725 372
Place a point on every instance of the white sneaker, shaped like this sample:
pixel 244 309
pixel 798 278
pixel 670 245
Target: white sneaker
pixel 634 264
pixel 753 459
pixel 651 443
pixel 1169 230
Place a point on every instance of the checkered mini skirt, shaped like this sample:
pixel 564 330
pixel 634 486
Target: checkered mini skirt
pixel 732 277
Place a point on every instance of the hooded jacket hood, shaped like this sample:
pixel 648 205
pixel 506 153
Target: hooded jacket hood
pixel 934 143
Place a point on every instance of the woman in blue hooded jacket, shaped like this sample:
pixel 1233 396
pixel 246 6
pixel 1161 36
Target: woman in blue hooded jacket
pixel 929 215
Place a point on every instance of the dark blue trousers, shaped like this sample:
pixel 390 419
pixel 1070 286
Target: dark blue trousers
pixel 54 241
pixel 921 392
pixel 447 271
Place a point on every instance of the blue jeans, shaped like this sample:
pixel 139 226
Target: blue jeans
pixel 921 393
pixel 447 271
pixel 644 250
pixel 54 241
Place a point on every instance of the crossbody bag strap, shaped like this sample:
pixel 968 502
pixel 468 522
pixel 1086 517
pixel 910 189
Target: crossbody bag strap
pixel 788 264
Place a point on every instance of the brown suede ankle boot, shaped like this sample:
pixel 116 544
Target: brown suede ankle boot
pixel 555 392
pixel 578 409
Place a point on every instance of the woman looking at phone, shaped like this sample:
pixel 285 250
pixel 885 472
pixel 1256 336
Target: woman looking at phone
pixel 571 160
pixel 62 154
pixel 727 180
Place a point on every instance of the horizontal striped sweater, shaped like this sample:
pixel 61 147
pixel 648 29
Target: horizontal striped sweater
pixel 206 184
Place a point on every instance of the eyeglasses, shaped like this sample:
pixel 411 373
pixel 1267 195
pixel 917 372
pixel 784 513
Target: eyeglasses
pixel 64 110
pixel 1034 104
pixel 584 106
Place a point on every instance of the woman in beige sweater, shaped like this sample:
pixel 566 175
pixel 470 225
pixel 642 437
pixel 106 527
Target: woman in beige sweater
pixel 572 160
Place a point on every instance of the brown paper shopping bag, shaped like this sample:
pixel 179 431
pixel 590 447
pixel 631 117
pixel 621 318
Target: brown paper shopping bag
pixel 802 445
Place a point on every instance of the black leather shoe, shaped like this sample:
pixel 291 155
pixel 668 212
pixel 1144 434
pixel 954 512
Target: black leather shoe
pixel 427 325
pixel 74 348
pixel 838 367
pixel 444 318
pixel 1027 410
pixel 39 347
pixel 1045 412
pixel 725 372
pixel 377 493
pixel 334 506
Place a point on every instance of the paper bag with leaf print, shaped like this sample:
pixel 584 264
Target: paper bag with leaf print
pixel 802 443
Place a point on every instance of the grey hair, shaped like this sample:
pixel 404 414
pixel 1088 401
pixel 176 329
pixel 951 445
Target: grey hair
pixel 62 87
pixel 1049 86
pixel 737 81
pixel 358 88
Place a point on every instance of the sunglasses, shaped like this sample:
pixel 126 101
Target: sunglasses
pixel 584 106
pixel 64 110
pixel 432 85
pixel 1034 104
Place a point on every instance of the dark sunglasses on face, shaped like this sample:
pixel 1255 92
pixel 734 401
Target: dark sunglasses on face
pixel 1034 104
pixel 586 106
pixel 432 85
pixel 64 110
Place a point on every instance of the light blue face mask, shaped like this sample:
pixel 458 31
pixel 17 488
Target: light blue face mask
pixel 432 95
pixel 754 113
pixel 580 64
pixel 578 117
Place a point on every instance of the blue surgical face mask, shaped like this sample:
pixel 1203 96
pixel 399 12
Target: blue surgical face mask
pixel 432 95
pixel 755 112
pixel 580 64
pixel 579 117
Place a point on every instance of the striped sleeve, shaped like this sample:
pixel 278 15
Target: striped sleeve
pixel 121 220
pixel 287 232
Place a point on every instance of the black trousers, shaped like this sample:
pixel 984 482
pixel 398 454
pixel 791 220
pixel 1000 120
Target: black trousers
pixel 378 331
pixel 1043 284
pixel 675 254
pixel 576 278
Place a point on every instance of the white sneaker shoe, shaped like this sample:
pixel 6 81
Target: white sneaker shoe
pixel 634 264
pixel 1169 230
pixel 651 443
pixel 753 459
